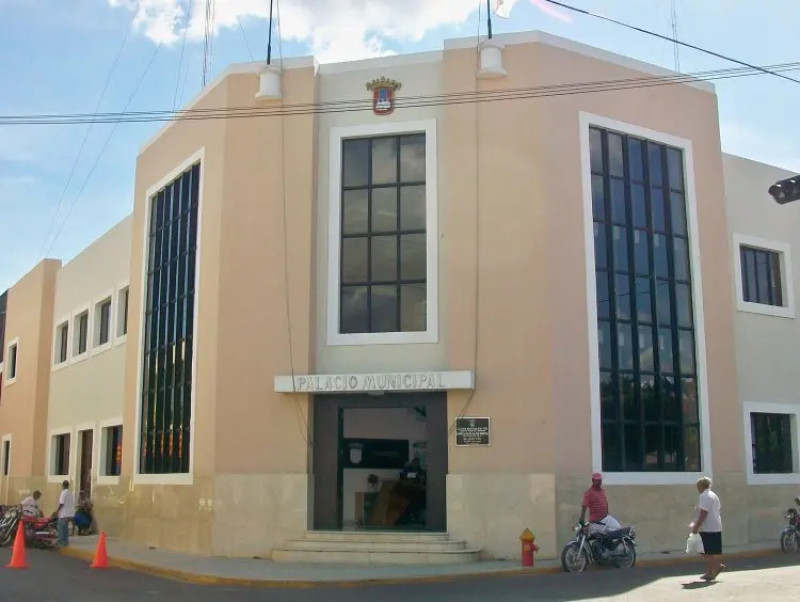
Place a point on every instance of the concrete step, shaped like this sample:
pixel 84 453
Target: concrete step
pixel 375 536
pixel 368 557
pixel 382 545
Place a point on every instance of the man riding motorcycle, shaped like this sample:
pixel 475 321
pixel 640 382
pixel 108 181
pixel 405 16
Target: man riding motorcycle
pixel 596 502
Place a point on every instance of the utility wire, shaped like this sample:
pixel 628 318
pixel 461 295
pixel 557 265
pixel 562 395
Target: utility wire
pixel 672 40
pixel 102 150
pixel 86 135
pixel 244 37
pixel 409 102
pixel 183 47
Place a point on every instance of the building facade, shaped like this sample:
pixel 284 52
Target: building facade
pixel 452 264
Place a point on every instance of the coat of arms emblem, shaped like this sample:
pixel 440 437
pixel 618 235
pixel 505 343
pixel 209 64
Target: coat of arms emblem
pixel 383 95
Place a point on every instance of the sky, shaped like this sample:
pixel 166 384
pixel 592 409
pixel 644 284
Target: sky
pixel 63 186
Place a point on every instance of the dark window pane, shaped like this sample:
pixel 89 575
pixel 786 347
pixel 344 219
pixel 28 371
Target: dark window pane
pixel 612 448
pixel 625 347
pixel 413 308
pixel 384 160
pixel 354 260
pixel 656 172
pixel 643 300
pixel 669 397
pixel 598 198
pixel 672 453
pixel 653 445
pixel 772 443
pixel 776 297
pixel 384 209
pixel 600 250
pixel 627 396
pixel 677 205
pixel 675 165
pixel 641 252
pixel 681 259
pixel 635 164
pixel 412 158
pixel 657 205
pixel 686 347
pixel 618 212
pixel 691 449
pixel 622 293
pixel 384 309
pixel 596 149
pixel 650 401
pixel 665 358
pixel 689 405
pixel 661 256
pixel 615 163
pixel 354 309
pixel 639 206
pixel 383 258
pixel 412 208
pixel 355 162
pixel 608 404
pixel 633 448
pixel 620 248
pixel 603 301
pixel 646 351
pixel 749 275
pixel 683 303
pixel 604 344
pixel 662 303
pixel 412 257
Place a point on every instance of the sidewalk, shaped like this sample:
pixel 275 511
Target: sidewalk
pixel 250 572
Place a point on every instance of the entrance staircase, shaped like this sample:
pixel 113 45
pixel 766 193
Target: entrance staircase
pixel 376 547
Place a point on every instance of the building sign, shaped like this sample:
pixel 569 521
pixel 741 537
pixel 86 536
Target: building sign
pixel 473 431
pixel 383 95
pixel 365 383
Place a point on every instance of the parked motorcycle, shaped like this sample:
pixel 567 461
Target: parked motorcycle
pixel 615 548
pixel 8 524
pixel 790 538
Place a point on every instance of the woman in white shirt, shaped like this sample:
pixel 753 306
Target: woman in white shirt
pixel 709 525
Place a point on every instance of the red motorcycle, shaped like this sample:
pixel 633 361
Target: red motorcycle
pixel 790 538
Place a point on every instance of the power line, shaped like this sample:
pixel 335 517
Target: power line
pixel 183 47
pixel 677 47
pixel 102 151
pixel 409 102
pixel 244 36
pixel 86 135
pixel 672 40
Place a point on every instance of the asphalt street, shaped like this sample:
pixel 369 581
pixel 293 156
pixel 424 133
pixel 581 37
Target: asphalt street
pixel 54 578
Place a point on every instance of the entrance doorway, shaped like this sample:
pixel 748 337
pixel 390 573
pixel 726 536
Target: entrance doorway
pixel 380 462
pixel 86 440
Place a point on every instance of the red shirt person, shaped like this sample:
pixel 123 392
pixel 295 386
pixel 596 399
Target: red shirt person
pixel 595 500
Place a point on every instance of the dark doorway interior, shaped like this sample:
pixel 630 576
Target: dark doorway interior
pixel 380 462
pixel 85 471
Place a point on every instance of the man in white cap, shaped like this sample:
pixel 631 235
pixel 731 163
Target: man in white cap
pixel 596 502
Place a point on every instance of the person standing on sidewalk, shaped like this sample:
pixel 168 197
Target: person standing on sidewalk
pixel 709 525
pixel 65 513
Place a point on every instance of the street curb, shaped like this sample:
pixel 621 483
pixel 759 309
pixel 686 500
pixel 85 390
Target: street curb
pixel 199 579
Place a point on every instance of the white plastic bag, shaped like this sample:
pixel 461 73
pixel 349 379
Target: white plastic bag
pixel 694 545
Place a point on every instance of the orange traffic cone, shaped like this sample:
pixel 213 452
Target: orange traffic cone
pixel 18 555
pixel 100 555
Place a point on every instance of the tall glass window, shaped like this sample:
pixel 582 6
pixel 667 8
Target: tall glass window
pixel 383 252
pixel 168 326
pixel 645 324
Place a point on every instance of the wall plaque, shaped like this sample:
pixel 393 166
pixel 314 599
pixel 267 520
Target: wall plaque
pixel 473 431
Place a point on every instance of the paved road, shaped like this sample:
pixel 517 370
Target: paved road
pixel 54 578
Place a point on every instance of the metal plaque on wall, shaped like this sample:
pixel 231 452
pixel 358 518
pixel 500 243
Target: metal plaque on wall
pixel 473 431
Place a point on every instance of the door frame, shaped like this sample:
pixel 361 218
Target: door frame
pixel 79 431
pixel 328 416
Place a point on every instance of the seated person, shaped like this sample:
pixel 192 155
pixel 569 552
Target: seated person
pixel 30 505
pixel 84 516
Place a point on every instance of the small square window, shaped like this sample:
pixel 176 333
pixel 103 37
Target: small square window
pixel 13 357
pixel 81 336
pixel 59 461
pixel 112 451
pixel 62 341
pixel 772 443
pixel 761 276
pixel 102 322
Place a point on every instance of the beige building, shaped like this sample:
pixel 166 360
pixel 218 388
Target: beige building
pixel 454 264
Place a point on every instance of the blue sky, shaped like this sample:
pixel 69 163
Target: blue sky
pixel 56 56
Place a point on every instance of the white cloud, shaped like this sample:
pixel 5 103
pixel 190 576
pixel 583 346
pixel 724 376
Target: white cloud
pixel 334 30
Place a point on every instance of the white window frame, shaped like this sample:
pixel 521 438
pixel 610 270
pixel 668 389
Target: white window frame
pixel 10 380
pixel 784 252
pixel 793 410
pixel 96 346
pixel 644 478
pixel 104 426
pixel 337 135
pixel 63 321
pixel 51 451
pixel 119 308
pixel 183 478
pixel 75 355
